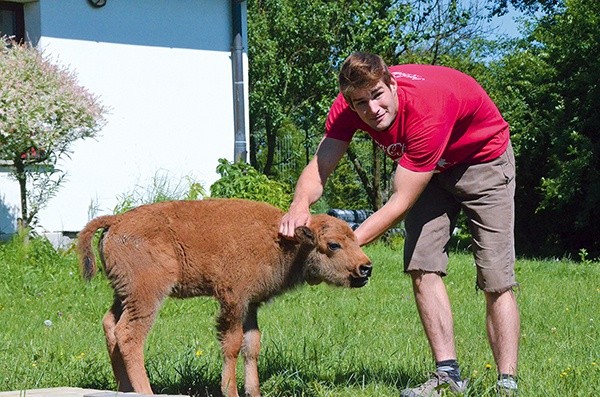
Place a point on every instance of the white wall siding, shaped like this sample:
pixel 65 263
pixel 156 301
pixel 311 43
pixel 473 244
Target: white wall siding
pixel 164 70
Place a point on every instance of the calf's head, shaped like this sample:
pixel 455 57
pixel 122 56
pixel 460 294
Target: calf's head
pixel 333 254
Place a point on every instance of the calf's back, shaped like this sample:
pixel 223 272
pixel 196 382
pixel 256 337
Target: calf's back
pixel 199 247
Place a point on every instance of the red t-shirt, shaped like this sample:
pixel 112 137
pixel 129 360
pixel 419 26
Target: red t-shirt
pixel 444 118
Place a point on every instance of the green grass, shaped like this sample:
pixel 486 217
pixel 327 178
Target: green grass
pixel 317 341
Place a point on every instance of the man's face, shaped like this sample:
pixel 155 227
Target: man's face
pixel 377 106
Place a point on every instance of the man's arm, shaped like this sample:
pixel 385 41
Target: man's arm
pixel 407 187
pixel 309 187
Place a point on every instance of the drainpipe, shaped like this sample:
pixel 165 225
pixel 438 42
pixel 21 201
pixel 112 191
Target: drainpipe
pixel 237 61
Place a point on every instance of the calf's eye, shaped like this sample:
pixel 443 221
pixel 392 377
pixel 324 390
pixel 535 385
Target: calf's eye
pixel 333 246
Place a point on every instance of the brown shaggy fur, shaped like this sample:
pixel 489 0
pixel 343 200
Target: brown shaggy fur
pixel 226 248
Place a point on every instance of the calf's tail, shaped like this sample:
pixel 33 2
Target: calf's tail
pixel 87 259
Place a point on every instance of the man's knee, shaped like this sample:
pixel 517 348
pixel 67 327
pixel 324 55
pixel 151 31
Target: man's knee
pixel 423 278
pixel 501 300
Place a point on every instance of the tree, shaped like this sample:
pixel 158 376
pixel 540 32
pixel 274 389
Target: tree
pixel 293 73
pixel 550 88
pixel 43 111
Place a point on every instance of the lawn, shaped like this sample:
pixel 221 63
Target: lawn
pixel 317 340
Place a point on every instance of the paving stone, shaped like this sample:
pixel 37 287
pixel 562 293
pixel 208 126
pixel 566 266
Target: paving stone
pixel 120 394
pixel 74 392
pixel 51 392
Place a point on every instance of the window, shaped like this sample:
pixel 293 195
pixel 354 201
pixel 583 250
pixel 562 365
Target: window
pixel 12 20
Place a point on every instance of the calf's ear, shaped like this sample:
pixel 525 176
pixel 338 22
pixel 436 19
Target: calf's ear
pixel 304 235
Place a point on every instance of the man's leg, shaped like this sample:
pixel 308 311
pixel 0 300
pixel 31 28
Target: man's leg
pixel 434 308
pixel 503 327
pixel 428 229
pixel 429 225
pixel 487 195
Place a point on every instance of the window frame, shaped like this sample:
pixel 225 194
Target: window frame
pixel 17 9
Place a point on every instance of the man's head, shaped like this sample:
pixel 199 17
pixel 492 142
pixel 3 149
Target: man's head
pixel 369 89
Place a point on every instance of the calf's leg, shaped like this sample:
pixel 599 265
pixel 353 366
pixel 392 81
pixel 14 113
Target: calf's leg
pixel 131 332
pixel 250 351
pixel 229 325
pixel 116 359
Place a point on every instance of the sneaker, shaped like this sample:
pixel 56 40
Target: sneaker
pixel 506 388
pixel 436 386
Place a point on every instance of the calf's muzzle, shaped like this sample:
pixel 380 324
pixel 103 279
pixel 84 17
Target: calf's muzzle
pixel 364 272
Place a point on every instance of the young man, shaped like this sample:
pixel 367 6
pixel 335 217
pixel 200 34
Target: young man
pixel 453 152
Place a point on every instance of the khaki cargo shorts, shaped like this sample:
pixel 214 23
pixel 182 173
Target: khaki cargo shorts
pixel 485 192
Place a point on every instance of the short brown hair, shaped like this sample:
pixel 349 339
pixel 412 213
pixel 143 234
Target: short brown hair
pixel 362 70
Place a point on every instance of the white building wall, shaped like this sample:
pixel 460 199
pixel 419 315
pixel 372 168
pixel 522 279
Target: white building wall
pixel 163 68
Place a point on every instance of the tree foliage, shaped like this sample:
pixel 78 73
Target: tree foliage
pixel 552 85
pixel 546 84
pixel 500 7
pixel 293 74
pixel 43 111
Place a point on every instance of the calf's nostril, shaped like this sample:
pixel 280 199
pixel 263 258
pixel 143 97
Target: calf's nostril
pixel 365 270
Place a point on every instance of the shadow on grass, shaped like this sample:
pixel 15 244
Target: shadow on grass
pixel 283 377
pixel 280 375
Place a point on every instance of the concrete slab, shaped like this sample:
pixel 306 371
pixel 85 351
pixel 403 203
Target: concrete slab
pixel 119 394
pixel 73 392
pixel 51 392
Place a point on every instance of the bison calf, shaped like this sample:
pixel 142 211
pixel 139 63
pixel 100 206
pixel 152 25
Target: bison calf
pixel 226 248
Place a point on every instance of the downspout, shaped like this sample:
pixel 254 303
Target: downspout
pixel 237 63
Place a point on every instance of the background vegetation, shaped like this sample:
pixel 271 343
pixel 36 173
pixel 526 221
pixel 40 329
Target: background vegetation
pixel 241 180
pixel 317 340
pixel 545 82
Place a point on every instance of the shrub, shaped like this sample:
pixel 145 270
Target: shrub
pixel 241 180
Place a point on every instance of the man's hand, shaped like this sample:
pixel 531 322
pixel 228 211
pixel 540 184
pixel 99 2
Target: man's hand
pixel 295 217
pixel 310 185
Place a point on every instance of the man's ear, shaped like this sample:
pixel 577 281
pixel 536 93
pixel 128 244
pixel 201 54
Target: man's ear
pixel 304 235
pixel 349 102
pixel 393 85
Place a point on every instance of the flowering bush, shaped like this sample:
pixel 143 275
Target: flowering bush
pixel 43 111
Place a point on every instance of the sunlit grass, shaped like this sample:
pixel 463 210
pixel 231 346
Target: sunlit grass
pixel 317 341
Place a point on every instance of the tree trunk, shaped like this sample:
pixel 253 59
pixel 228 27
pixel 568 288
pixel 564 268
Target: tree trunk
pixel 362 175
pixel 271 142
pixel 252 150
pixel 22 178
pixel 377 172
pixel 371 185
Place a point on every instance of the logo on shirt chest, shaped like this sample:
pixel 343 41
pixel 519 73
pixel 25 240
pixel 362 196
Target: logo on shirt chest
pixel 394 151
